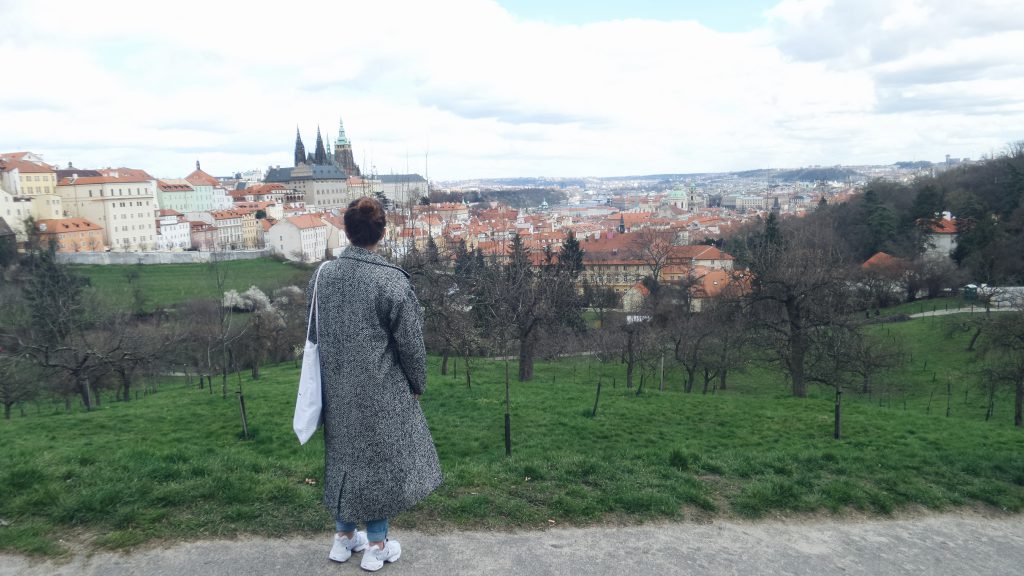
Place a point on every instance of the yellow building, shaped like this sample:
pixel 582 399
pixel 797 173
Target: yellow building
pixel 22 177
pixel 250 228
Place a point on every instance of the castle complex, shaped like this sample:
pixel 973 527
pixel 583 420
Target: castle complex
pixel 324 181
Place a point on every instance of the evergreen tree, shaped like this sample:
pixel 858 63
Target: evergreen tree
pixel 570 257
pixel 432 256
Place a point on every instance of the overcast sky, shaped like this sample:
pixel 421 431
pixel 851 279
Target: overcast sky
pixel 511 88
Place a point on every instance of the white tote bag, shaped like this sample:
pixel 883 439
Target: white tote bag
pixel 309 403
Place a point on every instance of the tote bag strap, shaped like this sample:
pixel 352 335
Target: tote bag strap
pixel 314 315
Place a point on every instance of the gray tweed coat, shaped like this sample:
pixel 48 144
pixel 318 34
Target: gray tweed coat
pixel 379 453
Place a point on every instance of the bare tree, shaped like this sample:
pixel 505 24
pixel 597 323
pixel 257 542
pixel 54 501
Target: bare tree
pixel 63 333
pixel 602 300
pixel 19 382
pixel 607 344
pixel 871 355
pixel 654 248
pixel 799 286
pixel 1003 349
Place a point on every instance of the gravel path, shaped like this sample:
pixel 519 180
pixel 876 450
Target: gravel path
pixel 948 544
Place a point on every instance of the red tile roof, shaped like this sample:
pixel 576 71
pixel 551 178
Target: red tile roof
pixel 200 178
pixel 126 173
pixel 944 226
pixel 306 221
pixel 23 166
pixel 100 180
pixel 175 185
pixel 58 226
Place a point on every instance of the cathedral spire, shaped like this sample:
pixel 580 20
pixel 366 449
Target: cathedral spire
pixel 342 139
pixel 300 150
pixel 320 155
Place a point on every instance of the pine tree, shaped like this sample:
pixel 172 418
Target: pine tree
pixel 570 257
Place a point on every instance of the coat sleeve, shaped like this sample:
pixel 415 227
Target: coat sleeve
pixel 406 324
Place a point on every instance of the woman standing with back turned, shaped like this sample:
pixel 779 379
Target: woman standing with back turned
pixel 380 457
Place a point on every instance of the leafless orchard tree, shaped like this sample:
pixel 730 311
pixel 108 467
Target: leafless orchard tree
pixel 19 382
pixel 654 248
pixel 1003 348
pixel 799 286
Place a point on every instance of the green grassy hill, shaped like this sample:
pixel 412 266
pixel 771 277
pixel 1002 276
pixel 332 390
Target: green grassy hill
pixel 165 285
pixel 173 464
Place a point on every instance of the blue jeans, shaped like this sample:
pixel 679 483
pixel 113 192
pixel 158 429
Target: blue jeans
pixel 376 530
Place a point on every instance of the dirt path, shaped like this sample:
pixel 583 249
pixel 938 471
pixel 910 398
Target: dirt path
pixel 948 544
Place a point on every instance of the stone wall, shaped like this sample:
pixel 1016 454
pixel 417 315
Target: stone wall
pixel 158 257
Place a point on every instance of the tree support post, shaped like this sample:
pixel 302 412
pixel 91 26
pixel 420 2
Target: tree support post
pixel 245 420
pixel 839 401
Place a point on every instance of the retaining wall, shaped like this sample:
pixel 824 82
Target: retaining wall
pixel 158 257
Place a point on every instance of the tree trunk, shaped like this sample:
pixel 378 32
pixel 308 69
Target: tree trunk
pixel 7 409
pixel 974 339
pixel 508 411
pixel 721 378
pixel 797 349
pixel 1018 404
pixel 526 359
pixel 126 384
pixel 444 363
pixel 796 371
pixel 661 370
pixel 866 386
pixel 597 398
pixel 469 380
pixel 630 360
pixel 83 391
pixel 691 377
pixel 256 369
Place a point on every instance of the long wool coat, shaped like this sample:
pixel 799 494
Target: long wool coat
pixel 380 457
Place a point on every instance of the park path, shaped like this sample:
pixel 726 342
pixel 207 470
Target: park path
pixel 934 545
pixel 971 310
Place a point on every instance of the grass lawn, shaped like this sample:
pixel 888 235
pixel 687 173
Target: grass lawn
pixel 169 284
pixel 172 465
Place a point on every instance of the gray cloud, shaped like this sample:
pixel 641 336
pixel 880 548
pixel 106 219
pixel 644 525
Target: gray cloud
pixel 850 32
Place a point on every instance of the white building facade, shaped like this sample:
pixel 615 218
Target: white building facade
pixel 122 205
pixel 172 234
pixel 299 238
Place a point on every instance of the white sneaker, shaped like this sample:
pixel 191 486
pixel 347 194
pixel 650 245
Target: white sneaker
pixel 344 546
pixel 374 558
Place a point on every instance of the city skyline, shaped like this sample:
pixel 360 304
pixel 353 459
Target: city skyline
pixel 517 88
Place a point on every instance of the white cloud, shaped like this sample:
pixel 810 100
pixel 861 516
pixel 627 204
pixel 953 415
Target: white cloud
pixel 157 86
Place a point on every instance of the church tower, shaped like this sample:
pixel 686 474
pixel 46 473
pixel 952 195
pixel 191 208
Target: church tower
pixel 343 152
pixel 300 150
pixel 320 156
